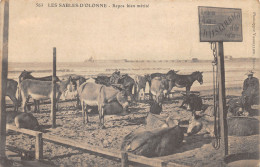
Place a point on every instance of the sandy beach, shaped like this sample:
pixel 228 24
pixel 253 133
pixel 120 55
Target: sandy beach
pixel 195 151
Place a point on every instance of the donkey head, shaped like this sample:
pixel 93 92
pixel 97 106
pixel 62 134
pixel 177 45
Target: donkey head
pixel 72 84
pixel 25 75
pixel 122 96
pixel 199 76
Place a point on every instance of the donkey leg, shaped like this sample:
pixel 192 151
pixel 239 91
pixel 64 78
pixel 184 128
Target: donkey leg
pixel 57 100
pixel 141 97
pixel 35 105
pixel 19 96
pixel 137 91
pixel 182 104
pixel 193 113
pixel 99 114
pixel 15 102
pixel 38 106
pixel 83 112
pixel 24 106
pixel 86 111
pixel 102 117
pixel 27 105
pixel 78 102
pixel 188 90
pixel 150 96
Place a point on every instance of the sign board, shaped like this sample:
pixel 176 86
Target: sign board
pixel 220 24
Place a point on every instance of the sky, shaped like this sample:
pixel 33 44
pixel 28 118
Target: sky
pixel 166 30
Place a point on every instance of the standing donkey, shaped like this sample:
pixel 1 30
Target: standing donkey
pixel 40 90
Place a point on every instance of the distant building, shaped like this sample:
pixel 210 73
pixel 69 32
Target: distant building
pixel 195 60
pixel 91 59
pixel 228 57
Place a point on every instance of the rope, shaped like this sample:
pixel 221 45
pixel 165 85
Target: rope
pixel 216 141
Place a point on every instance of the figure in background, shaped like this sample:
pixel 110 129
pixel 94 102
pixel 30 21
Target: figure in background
pixel 250 94
pixel 114 77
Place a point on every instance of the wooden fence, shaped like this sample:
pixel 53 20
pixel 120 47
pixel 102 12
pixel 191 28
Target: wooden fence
pixel 124 156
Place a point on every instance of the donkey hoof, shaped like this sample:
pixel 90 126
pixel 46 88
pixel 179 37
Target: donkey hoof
pixel 102 127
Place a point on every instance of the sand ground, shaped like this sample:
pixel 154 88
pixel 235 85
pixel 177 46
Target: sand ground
pixel 195 151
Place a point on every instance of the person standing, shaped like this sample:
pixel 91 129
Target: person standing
pixel 250 91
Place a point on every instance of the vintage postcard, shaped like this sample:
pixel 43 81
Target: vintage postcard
pixel 130 82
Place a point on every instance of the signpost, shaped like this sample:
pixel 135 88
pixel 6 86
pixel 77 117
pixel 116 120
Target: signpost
pixel 221 25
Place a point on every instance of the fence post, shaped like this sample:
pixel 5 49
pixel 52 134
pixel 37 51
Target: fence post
pixel 4 26
pixel 39 147
pixel 53 99
pixel 124 159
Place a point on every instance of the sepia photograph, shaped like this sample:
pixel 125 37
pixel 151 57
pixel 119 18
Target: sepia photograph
pixel 129 83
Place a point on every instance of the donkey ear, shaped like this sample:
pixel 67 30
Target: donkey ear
pixel 27 72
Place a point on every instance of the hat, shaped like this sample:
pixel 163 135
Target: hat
pixel 250 72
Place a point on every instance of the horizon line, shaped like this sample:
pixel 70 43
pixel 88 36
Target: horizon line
pixel 130 60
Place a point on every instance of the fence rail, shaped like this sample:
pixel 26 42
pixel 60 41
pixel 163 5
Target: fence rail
pixel 124 156
pixel 43 102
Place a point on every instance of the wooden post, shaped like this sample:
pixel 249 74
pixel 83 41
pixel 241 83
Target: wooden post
pixel 4 25
pixel 124 159
pixel 39 147
pixel 163 164
pixel 222 99
pixel 53 99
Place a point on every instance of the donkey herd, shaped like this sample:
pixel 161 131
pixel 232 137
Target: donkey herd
pixel 99 91
pixel 114 95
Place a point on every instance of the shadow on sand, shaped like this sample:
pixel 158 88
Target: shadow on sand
pixel 193 142
pixel 43 128
pixel 254 112
pixel 241 156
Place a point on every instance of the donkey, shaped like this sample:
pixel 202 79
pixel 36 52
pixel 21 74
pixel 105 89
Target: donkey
pixel 27 75
pixel 40 90
pixel 181 81
pixel 92 94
